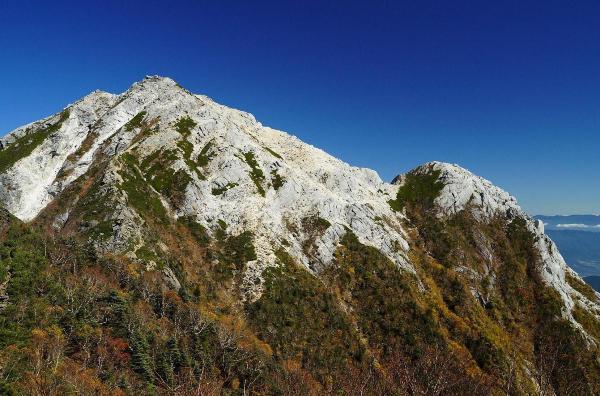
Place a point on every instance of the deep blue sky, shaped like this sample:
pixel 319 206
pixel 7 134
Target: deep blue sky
pixel 510 90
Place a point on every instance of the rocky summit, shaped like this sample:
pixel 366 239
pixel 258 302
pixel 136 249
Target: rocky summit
pixel 157 242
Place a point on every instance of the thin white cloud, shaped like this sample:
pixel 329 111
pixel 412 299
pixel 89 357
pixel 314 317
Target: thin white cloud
pixel 577 226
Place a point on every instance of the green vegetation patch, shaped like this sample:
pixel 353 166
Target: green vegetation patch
pixel 24 146
pixel 233 251
pixel 239 249
pixel 581 287
pixel 301 320
pixel 418 189
pixel 99 325
pixel 519 264
pixel 314 227
pixel 158 171
pixel 135 122
pixel 93 209
pixel 387 303
pixel 273 153
pixel 590 323
pixel 222 189
pixel 205 155
pixel 517 305
pixel 147 254
pixel 22 256
pixel 197 230
pixel 141 197
pixel 256 174
pixel 276 180
pixel 184 126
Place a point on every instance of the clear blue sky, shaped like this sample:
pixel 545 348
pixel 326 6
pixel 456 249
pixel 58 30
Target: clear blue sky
pixel 510 90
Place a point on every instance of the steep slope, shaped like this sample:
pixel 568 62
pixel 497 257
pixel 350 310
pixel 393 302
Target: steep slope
pixel 223 166
pixel 224 239
pixel 464 191
pixel 578 238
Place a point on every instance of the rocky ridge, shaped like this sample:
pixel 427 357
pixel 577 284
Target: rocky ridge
pixel 234 173
pixel 175 243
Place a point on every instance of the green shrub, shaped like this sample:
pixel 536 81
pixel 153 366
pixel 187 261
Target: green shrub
pixel 256 174
pixel 276 180
pixel 239 249
pixel 140 196
pixel 384 297
pixel 581 287
pixel 135 122
pixel 184 127
pixel 222 189
pixel 418 189
pixel 197 230
pixel 169 182
pixel 205 155
pixel 140 356
pixel 234 251
pixel 273 153
pixel 147 254
pixel 301 320
pixel 589 321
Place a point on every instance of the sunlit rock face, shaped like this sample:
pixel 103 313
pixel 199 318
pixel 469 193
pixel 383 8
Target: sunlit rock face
pixel 226 171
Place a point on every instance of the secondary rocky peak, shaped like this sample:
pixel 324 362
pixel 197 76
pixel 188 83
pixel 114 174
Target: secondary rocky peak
pixel 462 188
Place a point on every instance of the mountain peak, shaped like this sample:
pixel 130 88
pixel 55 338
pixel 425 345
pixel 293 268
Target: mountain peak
pixel 223 159
pixel 202 204
pixel 216 165
pixel 157 82
pixel 157 78
pixel 462 188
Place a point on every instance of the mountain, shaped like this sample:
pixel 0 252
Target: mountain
pixel 156 242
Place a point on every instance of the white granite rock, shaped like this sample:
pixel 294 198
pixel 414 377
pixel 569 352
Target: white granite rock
pixel 314 184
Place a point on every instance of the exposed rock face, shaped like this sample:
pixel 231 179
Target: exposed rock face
pixel 233 171
pixel 31 182
pixel 464 190
pixel 164 182
pixel 252 177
